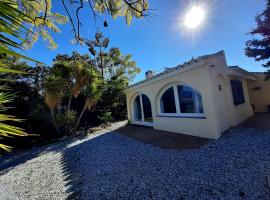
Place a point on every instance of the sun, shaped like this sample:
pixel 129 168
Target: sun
pixel 194 18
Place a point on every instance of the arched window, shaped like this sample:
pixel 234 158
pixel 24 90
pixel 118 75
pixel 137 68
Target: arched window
pixel 167 101
pixel 142 109
pixel 181 100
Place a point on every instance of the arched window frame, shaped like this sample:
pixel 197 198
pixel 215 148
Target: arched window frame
pixel 140 122
pixel 177 105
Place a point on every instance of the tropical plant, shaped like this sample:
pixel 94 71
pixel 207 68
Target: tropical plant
pixel 54 91
pixel 71 76
pixel 7 130
pixel 23 21
pixel 116 70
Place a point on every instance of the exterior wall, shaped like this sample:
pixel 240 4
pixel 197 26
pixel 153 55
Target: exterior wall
pixel 227 114
pixel 260 99
pixel 243 111
pixel 203 127
pixel 212 80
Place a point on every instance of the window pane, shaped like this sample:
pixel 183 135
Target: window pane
pixel 147 111
pixel 237 90
pixel 167 102
pixel 190 101
pixel 137 109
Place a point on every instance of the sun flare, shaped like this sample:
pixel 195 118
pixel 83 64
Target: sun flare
pixel 194 18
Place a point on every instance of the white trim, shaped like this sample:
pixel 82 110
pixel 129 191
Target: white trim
pixel 140 122
pixel 141 104
pixel 177 103
pixel 176 99
pixel 150 124
pixel 182 114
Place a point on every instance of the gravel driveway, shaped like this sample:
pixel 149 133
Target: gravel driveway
pixel 113 166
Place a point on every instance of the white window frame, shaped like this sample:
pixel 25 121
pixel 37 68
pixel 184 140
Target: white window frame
pixel 177 105
pixel 141 122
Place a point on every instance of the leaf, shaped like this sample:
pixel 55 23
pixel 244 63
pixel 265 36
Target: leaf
pixel 12 53
pixel 128 17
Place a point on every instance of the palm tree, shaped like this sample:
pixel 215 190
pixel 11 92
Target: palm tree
pixel 71 78
pixel 91 89
pixel 54 92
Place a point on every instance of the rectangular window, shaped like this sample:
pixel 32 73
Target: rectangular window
pixel 238 93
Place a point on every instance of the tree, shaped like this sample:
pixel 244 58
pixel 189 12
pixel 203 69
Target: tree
pixel 23 21
pixel 71 76
pixel 110 62
pixel 97 48
pixel 116 70
pixel 259 48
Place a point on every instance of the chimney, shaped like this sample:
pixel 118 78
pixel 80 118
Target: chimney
pixel 149 74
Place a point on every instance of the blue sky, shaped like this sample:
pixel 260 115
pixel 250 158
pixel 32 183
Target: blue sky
pixel 157 42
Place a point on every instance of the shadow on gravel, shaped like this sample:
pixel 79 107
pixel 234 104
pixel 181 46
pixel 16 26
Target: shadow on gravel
pixel 113 166
pixel 11 160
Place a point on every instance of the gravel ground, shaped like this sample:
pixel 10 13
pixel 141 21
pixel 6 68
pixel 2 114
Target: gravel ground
pixel 112 166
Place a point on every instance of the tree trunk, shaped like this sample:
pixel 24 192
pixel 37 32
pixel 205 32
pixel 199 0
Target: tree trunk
pixel 80 117
pixel 54 123
pixel 69 103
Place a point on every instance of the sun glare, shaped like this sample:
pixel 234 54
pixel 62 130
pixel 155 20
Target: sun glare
pixel 194 18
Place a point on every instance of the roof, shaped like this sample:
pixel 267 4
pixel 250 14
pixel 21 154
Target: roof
pixel 179 68
pixel 242 72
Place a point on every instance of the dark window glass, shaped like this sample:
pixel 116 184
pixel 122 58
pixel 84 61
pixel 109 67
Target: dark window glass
pixel 238 93
pixel 190 101
pixel 167 102
pixel 137 109
pixel 147 111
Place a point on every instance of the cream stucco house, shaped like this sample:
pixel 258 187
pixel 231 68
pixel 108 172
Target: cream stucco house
pixel 203 97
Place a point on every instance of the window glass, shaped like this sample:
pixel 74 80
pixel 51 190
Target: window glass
pixel 190 101
pixel 167 102
pixel 237 90
pixel 147 111
pixel 137 109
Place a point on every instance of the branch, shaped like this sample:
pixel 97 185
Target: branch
pixel 45 12
pixel 78 18
pixel 93 11
pixel 70 18
pixel 131 5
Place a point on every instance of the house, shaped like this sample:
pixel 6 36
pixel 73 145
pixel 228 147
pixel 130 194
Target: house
pixel 203 97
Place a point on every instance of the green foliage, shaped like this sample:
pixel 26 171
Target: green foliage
pixel 24 21
pixel 110 62
pixel 259 48
pixel 54 91
pixel 11 25
pixel 12 28
pixel 71 76
pixel 114 96
pixel 106 117
pixel 66 121
pixel 7 130
pixel 117 70
pixel 41 21
pixel 125 8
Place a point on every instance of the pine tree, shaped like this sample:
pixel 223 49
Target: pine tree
pixel 259 48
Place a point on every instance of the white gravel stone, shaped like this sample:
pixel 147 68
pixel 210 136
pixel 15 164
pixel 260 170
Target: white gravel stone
pixel 112 166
